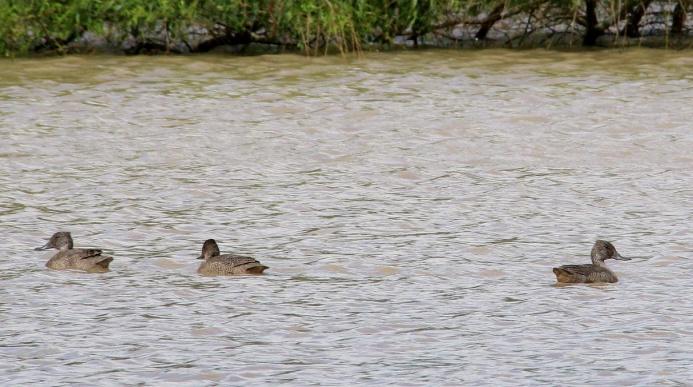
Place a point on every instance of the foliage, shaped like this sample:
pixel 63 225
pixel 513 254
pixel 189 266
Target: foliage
pixel 314 26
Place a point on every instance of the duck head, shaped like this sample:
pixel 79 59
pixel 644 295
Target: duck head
pixel 60 240
pixel 209 249
pixel 603 250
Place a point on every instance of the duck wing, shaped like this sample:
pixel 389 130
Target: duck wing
pixel 85 253
pixel 585 270
pixel 234 260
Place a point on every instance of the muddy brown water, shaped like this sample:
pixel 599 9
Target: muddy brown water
pixel 410 206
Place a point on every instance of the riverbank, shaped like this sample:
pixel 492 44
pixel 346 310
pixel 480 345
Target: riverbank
pixel 98 44
pixel 317 27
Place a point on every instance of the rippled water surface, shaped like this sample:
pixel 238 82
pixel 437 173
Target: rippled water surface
pixel 410 205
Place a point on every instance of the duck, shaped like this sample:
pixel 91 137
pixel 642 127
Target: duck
pixel 228 264
pixel 89 260
pixel 594 272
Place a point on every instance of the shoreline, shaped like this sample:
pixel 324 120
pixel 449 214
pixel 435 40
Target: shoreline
pixel 566 42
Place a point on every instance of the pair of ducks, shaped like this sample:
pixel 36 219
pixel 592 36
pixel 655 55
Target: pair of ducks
pixel 91 260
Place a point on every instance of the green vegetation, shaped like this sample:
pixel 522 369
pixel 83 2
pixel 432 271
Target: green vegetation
pixel 318 26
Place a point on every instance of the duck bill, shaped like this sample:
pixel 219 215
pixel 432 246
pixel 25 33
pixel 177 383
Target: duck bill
pixel 44 247
pixel 201 257
pixel 621 257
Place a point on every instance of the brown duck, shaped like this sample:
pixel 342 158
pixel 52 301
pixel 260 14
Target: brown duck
pixel 89 260
pixel 227 264
pixel 590 273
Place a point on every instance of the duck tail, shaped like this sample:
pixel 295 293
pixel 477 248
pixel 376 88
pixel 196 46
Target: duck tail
pixel 256 269
pixel 105 262
pixel 562 275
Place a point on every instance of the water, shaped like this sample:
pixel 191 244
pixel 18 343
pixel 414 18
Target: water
pixel 410 205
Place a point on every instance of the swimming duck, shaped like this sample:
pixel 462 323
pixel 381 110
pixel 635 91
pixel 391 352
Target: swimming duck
pixel 595 272
pixel 227 264
pixel 89 260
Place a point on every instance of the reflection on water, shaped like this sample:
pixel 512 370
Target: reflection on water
pixel 410 206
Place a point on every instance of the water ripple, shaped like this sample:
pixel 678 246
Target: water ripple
pixel 410 206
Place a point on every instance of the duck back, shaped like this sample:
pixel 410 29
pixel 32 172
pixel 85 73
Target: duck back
pixel 89 260
pixel 231 264
pixel 588 273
